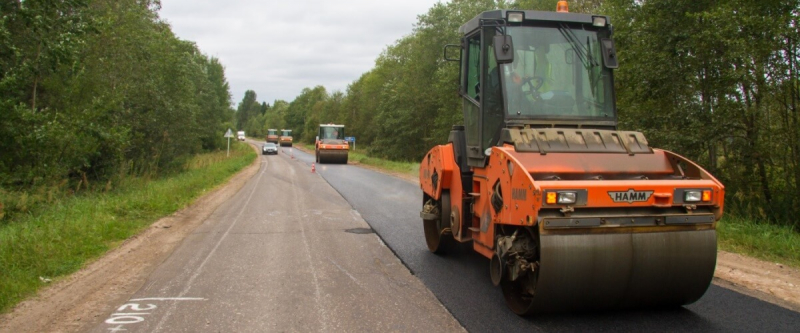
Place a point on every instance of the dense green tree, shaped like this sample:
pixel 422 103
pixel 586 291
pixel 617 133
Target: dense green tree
pixel 300 116
pixel 273 117
pixel 248 108
pixel 95 88
pixel 216 113
pixel 716 81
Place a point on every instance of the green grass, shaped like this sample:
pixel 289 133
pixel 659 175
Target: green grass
pixel 760 240
pixel 53 241
pixel 400 167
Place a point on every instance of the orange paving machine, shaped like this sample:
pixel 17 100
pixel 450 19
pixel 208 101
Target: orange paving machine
pixel 572 213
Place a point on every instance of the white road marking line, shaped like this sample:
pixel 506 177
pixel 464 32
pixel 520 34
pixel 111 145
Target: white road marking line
pixel 317 294
pixel 345 272
pixel 214 250
pixel 168 299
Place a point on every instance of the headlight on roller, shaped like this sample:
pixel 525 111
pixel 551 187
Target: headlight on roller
pixel 561 198
pixel 692 196
pixel 567 198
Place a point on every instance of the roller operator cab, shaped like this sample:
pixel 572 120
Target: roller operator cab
pixel 572 213
pixel 330 146
pixel 272 135
pixel 286 138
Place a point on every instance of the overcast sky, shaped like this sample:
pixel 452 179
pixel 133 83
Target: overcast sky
pixel 277 48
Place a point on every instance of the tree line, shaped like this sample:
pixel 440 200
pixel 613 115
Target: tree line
pixel 713 80
pixel 90 89
pixel 717 81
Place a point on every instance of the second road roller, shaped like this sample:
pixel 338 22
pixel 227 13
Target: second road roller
pixel 571 212
pixel 272 135
pixel 330 146
pixel 286 138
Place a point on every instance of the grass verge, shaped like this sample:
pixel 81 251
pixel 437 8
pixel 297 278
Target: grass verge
pixel 59 239
pixel 406 168
pixel 359 156
pixel 760 240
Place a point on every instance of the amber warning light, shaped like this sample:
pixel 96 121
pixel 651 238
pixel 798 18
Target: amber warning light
pixel 551 198
pixel 562 7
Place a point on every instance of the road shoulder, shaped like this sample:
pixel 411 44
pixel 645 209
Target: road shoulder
pixel 82 299
pixel 768 281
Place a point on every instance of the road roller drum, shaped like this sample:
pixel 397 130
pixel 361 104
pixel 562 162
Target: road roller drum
pixel 619 270
pixel 333 156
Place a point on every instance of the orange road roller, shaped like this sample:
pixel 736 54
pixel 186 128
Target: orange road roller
pixel 286 138
pixel 272 135
pixel 330 146
pixel 572 213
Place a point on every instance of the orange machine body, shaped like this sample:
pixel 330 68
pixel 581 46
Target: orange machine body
pixel 322 145
pixel 330 145
pixel 286 138
pixel 526 177
pixel 272 135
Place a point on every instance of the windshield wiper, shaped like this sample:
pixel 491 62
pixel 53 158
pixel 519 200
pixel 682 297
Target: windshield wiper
pixel 583 53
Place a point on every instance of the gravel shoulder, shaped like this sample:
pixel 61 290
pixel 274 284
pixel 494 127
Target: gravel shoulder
pixel 772 282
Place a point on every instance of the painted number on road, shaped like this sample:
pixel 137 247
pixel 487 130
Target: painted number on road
pixel 133 313
pixel 129 313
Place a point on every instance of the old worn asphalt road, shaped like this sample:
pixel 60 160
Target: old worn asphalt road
pixel 287 253
pixel 461 281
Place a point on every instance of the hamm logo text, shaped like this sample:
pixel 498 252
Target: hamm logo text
pixel 630 196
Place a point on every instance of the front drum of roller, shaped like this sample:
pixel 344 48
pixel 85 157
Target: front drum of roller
pixel 618 270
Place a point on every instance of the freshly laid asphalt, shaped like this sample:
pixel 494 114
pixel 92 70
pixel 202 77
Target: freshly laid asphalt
pixel 461 280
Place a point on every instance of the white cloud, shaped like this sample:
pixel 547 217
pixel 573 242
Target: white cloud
pixel 277 48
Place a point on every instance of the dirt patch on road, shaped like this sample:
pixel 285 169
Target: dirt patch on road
pixel 83 299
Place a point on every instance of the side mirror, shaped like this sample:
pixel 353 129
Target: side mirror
pixel 503 49
pixel 609 53
pixel 447 56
